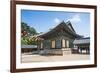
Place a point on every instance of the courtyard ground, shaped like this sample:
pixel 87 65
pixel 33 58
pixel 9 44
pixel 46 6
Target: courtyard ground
pixel 27 58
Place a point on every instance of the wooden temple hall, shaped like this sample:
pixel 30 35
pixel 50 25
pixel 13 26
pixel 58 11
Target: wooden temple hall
pixel 59 40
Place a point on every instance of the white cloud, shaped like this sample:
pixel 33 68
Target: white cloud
pixel 74 19
pixel 56 20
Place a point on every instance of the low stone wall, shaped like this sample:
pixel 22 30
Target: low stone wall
pixel 28 50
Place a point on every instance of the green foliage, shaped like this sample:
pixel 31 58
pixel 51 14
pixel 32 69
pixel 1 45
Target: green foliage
pixel 30 30
pixel 24 42
pixel 28 41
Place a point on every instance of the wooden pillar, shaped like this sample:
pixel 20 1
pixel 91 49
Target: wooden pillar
pixel 67 43
pixel 38 45
pixel 89 49
pixel 80 49
pixel 41 45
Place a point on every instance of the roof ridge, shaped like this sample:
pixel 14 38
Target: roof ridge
pixel 68 23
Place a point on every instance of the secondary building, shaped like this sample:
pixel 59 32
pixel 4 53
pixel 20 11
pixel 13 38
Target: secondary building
pixel 81 45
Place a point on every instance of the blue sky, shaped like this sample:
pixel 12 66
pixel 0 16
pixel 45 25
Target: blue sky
pixel 42 21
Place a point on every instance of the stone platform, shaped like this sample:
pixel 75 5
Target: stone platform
pixel 63 51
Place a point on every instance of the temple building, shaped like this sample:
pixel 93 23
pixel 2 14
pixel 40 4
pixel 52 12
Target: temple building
pixel 58 40
pixel 61 40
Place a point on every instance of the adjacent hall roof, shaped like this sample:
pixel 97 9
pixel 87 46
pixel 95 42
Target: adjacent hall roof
pixel 28 46
pixel 82 41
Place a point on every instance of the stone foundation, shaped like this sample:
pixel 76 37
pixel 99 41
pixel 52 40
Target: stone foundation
pixel 64 51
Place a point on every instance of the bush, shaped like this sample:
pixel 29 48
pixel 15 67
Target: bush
pixel 23 42
pixel 28 41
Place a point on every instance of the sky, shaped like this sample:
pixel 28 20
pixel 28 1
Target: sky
pixel 43 21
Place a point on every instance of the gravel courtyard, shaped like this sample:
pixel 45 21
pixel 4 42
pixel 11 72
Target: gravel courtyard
pixel 27 58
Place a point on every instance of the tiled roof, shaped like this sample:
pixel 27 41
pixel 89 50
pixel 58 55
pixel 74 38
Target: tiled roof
pixel 82 41
pixel 62 25
pixel 28 46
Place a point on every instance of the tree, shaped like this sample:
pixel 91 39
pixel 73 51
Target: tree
pixel 27 30
pixel 23 26
pixel 23 29
pixel 32 31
